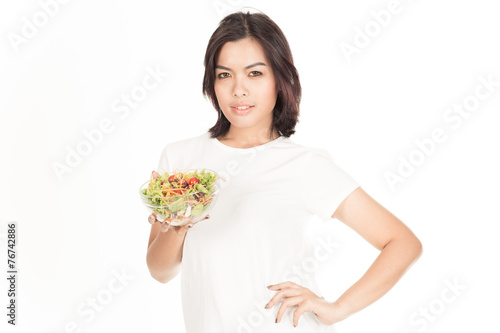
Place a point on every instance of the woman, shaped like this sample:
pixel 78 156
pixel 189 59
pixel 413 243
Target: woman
pixel 239 267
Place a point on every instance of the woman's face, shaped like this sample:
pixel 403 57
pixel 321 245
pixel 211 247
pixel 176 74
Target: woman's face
pixel 244 77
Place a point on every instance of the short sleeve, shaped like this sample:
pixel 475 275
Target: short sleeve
pixel 326 184
pixel 164 162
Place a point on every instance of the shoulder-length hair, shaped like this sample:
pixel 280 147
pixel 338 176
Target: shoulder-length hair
pixel 266 32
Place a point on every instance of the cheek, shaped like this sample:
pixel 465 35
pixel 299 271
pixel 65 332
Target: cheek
pixel 264 87
pixel 268 91
pixel 219 92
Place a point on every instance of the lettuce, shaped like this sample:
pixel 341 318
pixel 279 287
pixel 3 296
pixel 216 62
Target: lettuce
pixel 174 206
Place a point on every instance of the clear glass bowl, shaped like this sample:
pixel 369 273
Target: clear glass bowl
pixel 183 208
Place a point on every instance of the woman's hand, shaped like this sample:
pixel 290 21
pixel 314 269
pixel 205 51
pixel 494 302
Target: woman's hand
pixel 165 225
pixel 327 313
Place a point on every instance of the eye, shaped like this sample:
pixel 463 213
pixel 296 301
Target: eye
pixel 221 75
pixel 256 73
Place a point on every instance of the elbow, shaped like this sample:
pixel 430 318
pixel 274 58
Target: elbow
pixel 159 276
pixel 416 248
pixel 160 279
pixel 162 275
pixel 156 273
pixel 410 246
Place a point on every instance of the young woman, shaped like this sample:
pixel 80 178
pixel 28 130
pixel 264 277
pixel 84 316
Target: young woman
pixel 239 268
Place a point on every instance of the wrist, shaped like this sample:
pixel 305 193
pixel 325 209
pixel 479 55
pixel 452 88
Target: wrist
pixel 342 309
pixel 329 313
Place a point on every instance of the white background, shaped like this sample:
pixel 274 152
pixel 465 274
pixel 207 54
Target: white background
pixel 368 109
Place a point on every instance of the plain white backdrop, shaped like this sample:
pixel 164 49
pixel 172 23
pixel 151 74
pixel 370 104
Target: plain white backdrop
pixel 380 79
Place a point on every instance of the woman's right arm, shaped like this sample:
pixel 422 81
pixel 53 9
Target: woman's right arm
pixel 164 253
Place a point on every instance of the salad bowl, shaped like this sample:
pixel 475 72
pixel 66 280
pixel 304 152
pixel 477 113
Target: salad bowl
pixel 180 198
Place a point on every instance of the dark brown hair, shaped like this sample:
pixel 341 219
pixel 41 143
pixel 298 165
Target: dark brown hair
pixel 261 28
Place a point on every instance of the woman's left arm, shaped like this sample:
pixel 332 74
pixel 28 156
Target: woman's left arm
pixel 399 247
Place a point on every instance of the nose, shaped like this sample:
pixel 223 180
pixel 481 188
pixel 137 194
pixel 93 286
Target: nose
pixel 239 88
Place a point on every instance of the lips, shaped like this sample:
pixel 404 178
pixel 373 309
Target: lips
pixel 242 109
pixel 241 105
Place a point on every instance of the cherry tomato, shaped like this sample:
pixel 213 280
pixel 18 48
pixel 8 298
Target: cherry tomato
pixel 171 178
pixel 193 181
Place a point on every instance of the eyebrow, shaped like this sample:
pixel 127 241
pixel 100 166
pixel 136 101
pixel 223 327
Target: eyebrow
pixel 249 66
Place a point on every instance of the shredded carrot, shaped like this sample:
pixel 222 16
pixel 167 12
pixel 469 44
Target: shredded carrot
pixel 170 189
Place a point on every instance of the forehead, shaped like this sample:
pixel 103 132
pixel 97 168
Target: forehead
pixel 241 53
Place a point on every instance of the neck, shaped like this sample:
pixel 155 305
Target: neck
pixel 243 138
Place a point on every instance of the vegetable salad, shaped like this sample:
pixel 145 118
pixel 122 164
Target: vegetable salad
pixel 180 195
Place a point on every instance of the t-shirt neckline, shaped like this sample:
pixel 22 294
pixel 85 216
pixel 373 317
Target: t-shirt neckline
pixel 229 148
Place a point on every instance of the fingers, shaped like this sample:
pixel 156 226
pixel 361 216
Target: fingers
pixel 287 284
pixel 165 225
pixel 288 302
pixel 284 293
pixel 291 294
pixel 298 312
pixel 181 230
pixel 152 219
pixel 184 228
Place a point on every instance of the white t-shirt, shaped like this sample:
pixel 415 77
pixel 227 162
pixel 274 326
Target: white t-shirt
pixel 256 235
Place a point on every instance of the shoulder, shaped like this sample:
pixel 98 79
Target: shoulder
pixel 308 152
pixel 320 161
pixel 291 143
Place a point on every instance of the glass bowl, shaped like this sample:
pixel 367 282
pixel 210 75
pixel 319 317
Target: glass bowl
pixel 184 208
